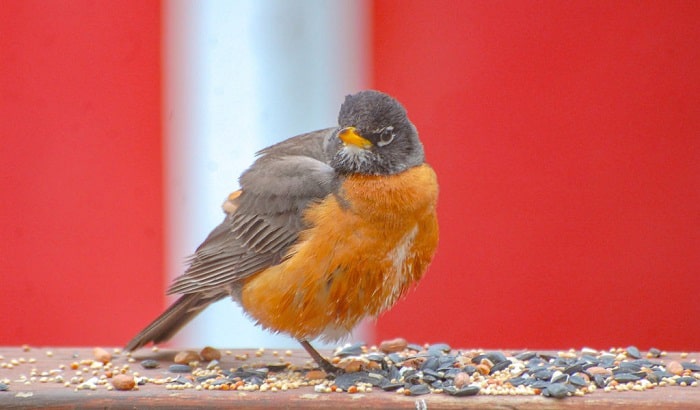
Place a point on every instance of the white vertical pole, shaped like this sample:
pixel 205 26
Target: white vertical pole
pixel 239 76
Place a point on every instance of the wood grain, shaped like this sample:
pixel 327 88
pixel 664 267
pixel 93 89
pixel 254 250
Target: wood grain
pixel 56 396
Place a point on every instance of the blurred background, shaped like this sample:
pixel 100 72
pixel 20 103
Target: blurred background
pixel 565 135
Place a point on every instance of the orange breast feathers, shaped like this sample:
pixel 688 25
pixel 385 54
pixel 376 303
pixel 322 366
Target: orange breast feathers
pixel 366 246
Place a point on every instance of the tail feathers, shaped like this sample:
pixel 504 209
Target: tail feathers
pixel 172 320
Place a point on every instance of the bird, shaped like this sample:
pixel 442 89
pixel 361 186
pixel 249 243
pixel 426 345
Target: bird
pixel 328 228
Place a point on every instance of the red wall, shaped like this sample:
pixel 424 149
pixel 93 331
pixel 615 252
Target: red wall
pixel 566 138
pixel 80 221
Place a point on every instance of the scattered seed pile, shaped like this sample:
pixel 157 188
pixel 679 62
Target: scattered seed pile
pixel 393 366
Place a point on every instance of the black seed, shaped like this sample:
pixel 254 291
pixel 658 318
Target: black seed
pixel 419 389
pixel 526 356
pixel 429 379
pixel 375 379
pixel 640 374
pixel 599 380
pixel 255 380
pixel 633 352
pixel 606 360
pixel 590 359
pixel 4 387
pixel 432 363
pixel 655 352
pixel 219 382
pixel 451 373
pixel 447 360
pixel 463 392
pixel 630 367
pixel 352 350
pixel 179 368
pixel 412 377
pixel 433 373
pixel 528 381
pixel 662 373
pixel 394 373
pixel 439 348
pixel 578 381
pixel 437 384
pixel 276 367
pixel 345 380
pixel 396 358
pixel 556 390
pixel 548 357
pixel 626 377
pixel 469 369
pixel 535 363
pixel 562 378
pixel 500 366
pixel 207 377
pixel 261 372
pixel 563 362
pixel 391 386
pixel 644 362
pixel 693 367
pixel 376 357
pixel 517 381
pixel 574 368
pixel 496 357
pixel 181 380
pixel 544 374
pixel 685 379
pixel 655 365
pixel 413 346
pixel 150 364
pixel 247 374
pixel 587 365
pixel 478 358
pixel 540 384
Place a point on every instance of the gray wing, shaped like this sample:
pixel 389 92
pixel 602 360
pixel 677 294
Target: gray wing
pixel 266 218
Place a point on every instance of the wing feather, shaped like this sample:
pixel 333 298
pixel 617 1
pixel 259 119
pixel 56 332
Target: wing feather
pixel 265 217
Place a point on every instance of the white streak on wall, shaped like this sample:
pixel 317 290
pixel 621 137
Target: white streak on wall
pixel 239 76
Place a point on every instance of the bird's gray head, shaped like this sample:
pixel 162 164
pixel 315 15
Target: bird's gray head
pixel 376 136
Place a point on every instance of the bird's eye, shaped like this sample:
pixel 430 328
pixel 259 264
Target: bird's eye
pixel 386 136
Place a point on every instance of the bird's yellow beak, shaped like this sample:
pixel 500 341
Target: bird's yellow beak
pixel 349 136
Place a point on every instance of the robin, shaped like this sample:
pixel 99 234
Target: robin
pixel 328 228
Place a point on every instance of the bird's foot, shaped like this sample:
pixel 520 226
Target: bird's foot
pixel 322 362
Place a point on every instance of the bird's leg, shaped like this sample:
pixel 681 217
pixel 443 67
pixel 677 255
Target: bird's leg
pixel 324 364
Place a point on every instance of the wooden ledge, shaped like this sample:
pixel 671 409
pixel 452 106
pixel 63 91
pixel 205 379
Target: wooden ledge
pixel 41 388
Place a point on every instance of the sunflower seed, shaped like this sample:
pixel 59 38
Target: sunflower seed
pixel 419 389
pixel 179 368
pixel 556 390
pixel 626 377
pixel 502 365
pixel 633 352
pixel 150 364
pixel 693 367
pixel 352 350
pixel 438 348
pixel 464 391
pixel 688 380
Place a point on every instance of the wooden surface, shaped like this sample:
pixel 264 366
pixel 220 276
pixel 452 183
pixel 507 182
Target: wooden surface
pixel 54 395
